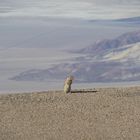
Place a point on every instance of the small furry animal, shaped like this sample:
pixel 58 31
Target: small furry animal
pixel 67 84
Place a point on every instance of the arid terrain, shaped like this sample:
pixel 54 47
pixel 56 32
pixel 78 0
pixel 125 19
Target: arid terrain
pixel 97 114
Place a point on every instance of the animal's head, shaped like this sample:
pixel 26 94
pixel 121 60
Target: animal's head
pixel 70 77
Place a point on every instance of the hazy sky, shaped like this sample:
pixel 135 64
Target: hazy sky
pixel 87 9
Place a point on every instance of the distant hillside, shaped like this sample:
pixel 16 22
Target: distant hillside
pixel 99 47
pixel 128 52
pixel 106 61
pixel 133 19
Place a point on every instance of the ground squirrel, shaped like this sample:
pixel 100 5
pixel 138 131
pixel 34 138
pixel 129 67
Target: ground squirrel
pixel 67 84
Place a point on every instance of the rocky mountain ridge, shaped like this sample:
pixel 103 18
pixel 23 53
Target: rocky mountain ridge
pixel 108 60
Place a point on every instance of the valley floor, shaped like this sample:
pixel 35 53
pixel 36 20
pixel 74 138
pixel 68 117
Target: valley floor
pixel 99 114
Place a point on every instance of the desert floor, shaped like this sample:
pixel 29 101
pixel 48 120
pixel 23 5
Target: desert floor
pixel 98 114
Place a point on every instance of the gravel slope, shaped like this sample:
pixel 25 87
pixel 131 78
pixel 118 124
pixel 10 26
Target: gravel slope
pixel 99 114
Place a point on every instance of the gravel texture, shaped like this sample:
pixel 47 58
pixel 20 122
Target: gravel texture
pixel 86 114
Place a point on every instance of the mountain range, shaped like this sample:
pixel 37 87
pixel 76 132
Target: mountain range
pixel 109 60
pixel 133 19
pixel 101 46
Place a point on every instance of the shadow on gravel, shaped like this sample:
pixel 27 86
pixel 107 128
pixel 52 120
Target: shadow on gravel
pixel 84 91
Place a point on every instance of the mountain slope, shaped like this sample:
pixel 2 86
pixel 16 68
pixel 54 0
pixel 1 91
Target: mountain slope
pixel 99 47
pixel 108 61
pixel 127 52
pixel 130 20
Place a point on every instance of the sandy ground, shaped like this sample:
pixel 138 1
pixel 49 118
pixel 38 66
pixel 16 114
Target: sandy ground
pixel 99 114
